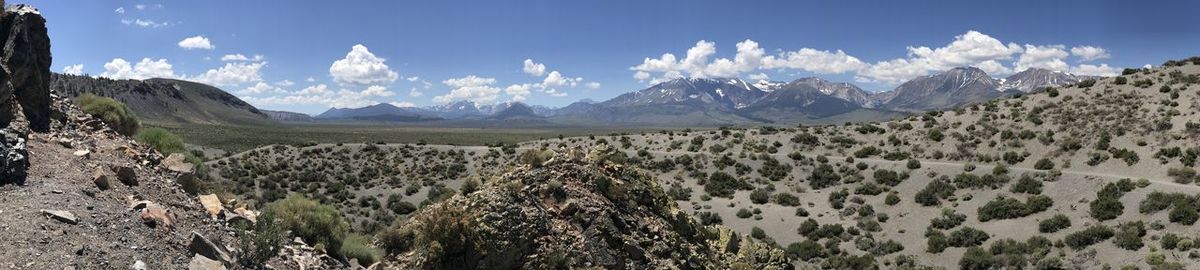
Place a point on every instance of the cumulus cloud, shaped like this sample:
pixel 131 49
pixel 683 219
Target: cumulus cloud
pixel 749 57
pixel 322 94
pixel 403 104
pixel 119 10
pixel 360 66
pixel 414 92
pixel 970 49
pixel 76 69
pixel 816 61
pixel 240 57
pixel 593 85
pixel 534 69
pixel 261 88
pixel 470 88
pixel 196 43
pixel 1089 53
pixel 285 83
pixel 1044 57
pixel 232 74
pixel 1095 70
pixel 146 68
pixel 518 92
pixel 377 91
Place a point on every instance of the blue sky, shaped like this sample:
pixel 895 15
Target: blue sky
pixel 307 56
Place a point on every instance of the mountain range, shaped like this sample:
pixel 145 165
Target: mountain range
pixel 677 102
pixel 707 101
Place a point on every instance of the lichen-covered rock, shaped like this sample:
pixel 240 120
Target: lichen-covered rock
pixel 14 158
pixel 571 213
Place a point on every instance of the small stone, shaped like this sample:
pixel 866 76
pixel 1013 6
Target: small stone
pixel 83 153
pixel 63 216
pixel 101 178
pixel 126 175
pixel 65 142
pixel 202 246
pixel 139 265
pixel 155 215
pixel 201 263
pixel 211 203
pixel 177 163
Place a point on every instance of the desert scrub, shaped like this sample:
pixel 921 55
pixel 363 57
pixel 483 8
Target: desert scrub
pixel 358 247
pixel 1054 224
pixel 162 140
pixel 318 224
pixel 1087 237
pixel 114 113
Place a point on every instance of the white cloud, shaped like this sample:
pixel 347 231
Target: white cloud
pixel 360 66
pixel 412 79
pixel 403 104
pixel 146 68
pixel 472 88
pixel 1089 53
pixel 1044 57
pixel 119 10
pixel 759 77
pixel 556 79
pixel 593 85
pixel 232 74
pixel 140 7
pixel 414 92
pixel 816 61
pixel 377 91
pixel 1147 66
pixel 285 83
pixel 519 91
pixel 993 67
pixel 535 69
pixel 196 42
pixel 310 79
pixel 261 88
pixel 145 23
pixel 240 57
pixel 76 69
pixel 1094 70
pixel 970 49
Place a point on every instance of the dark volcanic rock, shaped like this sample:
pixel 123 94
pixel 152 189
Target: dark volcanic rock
pixel 26 58
pixel 14 158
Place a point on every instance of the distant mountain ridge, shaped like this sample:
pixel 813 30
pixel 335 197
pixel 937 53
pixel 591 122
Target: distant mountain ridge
pixel 165 100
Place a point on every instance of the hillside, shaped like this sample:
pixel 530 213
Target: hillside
pixel 166 101
pixel 1093 175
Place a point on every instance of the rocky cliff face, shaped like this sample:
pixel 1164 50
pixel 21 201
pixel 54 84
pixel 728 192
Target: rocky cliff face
pixel 24 86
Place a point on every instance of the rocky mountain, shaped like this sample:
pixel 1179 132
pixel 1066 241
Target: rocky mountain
pixel 286 116
pixel 515 110
pixel 457 109
pixel 841 90
pixel 377 112
pixel 166 100
pixel 952 88
pixel 24 87
pixel 809 97
pixel 1034 78
pixel 719 93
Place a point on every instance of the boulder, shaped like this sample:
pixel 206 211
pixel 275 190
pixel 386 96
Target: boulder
pixel 212 204
pixel 82 153
pixel 154 215
pixel 126 175
pixel 202 246
pixel 64 216
pixel 101 178
pixel 203 263
pixel 178 163
pixel 26 59
pixel 14 158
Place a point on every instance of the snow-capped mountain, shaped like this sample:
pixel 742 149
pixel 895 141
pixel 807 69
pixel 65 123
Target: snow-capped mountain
pixel 1034 78
pixel 952 88
pixel 723 93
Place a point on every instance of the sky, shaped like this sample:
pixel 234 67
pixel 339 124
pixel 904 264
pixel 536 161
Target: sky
pixel 308 56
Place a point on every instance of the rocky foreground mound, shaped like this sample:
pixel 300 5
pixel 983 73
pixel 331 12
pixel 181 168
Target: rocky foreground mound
pixel 572 212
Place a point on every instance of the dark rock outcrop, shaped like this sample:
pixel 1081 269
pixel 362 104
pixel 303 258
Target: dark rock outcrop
pixel 26 60
pixel 24 87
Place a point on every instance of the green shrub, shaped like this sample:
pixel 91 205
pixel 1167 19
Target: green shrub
pixel 1129 235
pixel 1105 208
pixel 889 177
pixel 114 113
pixel 806 250
pixel 934 192
pixel 317 224
pixel 721 184
pixel 967 237
pixel 913 164
pixel 262 243
pixel 824 176
pixel 1026 184
pixel 162 140
pixel 892 199
pixel 358 247
pixel 786 199
pixel 1054 224
pixel 760 196
pixel 976 258
pixel 1009 208
pixel 936 242
pixel 1043 164
pixel 1087 237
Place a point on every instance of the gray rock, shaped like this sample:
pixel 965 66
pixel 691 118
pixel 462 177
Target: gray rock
pixel 202 263
pixel 202 246
pixel 101 178
pixel 64 216
pixel 14 158
pixel 177 163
